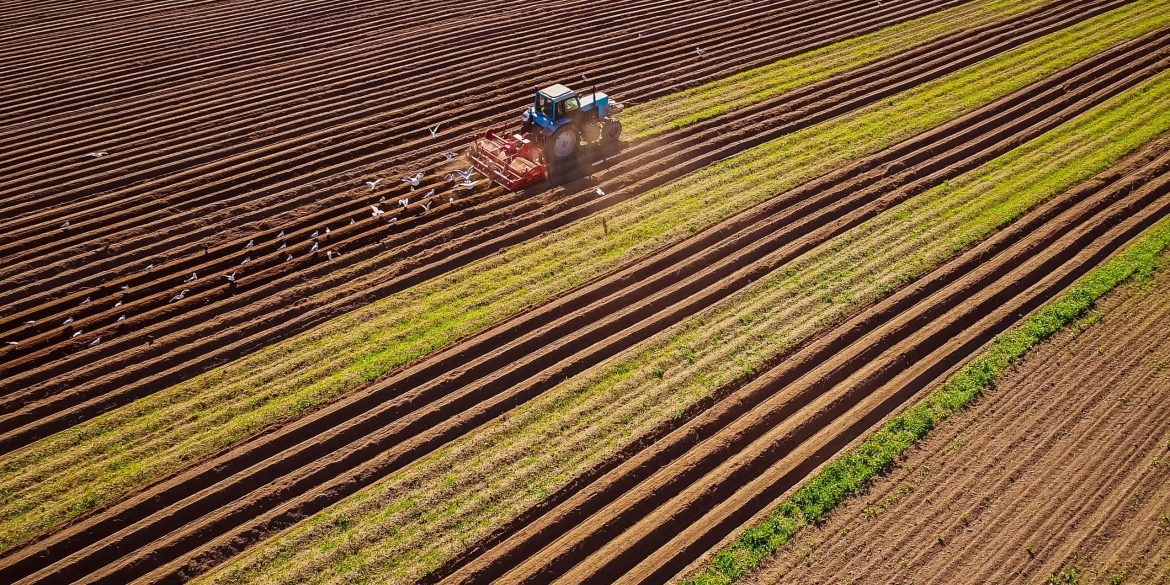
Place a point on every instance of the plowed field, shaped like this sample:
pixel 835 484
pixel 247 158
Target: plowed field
pixel 235 135
pixel 1060 469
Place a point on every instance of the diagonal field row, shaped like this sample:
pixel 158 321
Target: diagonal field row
pixel 339 449
pixel 41 385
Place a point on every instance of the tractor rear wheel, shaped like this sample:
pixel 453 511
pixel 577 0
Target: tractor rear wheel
pixel 612 130
pixel 564 142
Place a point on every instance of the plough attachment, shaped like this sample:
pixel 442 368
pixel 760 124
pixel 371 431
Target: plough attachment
pixel 512 161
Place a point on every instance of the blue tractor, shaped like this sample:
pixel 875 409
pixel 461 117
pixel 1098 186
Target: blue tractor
pixel 563 119
pixel 551 130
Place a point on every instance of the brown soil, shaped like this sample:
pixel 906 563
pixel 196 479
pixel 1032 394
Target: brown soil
pixel 264 150
pixel 1066 462
pixel 192 521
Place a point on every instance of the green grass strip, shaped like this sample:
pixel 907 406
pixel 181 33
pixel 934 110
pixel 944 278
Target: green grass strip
pixel 412 522
pixel 100 460
pixel 851 474
pixel 731 93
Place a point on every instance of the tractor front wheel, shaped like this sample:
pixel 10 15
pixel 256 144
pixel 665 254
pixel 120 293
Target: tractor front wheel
pixel 612 130
pixel 564 143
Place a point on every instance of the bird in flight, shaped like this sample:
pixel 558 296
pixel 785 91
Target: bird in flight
pixel 404 202
pixel 414 181
pixel 435 131
pixel 98 154
pixel 377 211
pixel 466 174
pixel 699 51
pixel 427 206
pixel 599 192
pixel 374 184
pixel 231 277
pixel 468 185
pixel 450 156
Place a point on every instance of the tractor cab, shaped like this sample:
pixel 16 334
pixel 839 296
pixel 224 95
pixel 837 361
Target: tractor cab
pixel 563 118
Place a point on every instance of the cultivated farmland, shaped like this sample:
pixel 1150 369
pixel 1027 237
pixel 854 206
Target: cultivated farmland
pixel 817 213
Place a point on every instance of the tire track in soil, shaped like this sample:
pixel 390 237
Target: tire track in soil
pixel 1031 470
pixel 60 387
pixel 364 425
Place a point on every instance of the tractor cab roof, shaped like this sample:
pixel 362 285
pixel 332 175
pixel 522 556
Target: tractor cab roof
pixel 556 91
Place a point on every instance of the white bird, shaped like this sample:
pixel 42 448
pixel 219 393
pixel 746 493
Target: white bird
pixel 149 268
pixel 281 234
pixel 315 234
pixel 76 334
pixel 382 199
pixel 314 248
pixel 377 211
pixel 449 177
pixel 68 321
pixel 470 172
pixel 85 302
pixel 450 156
pixel 122 318
pixel 65 225
pixel 599 192
pixel 125 287
pixel 327 232
pixel 351 219
pixel 98 154
pixel 249 246
pixel 231 277
pixel 392 220
pixel 583 78
pixel 699 51
pixel 330 254
pixel 374 184
pixel 30 323
pixel 282 246
pixel 193 277
pixel 289 259
pixel 95 342
pixel 414 181
pixel 469 185
pixel 427 206
pixel 246 261
pixel 404 202
pixel 435 131
pixel 430 194
pixel 452 201
pixel 179 296
pixel 118 304
pixel 12 343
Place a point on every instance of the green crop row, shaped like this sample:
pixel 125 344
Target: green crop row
pixel 851 473
pixel 412 522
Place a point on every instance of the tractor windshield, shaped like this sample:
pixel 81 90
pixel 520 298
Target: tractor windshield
pixel 544 106
pixel 568 106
